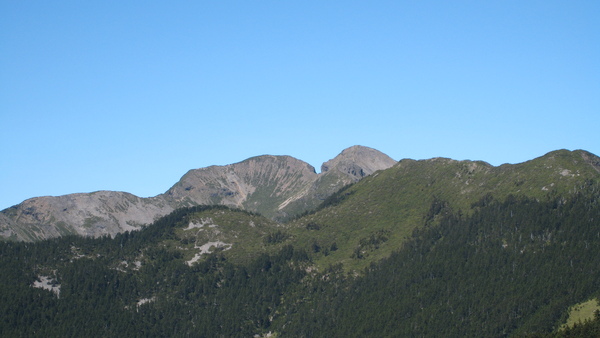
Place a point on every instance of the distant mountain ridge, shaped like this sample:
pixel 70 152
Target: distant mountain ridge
pixel 278 187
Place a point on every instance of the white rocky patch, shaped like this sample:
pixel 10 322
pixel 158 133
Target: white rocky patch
pixel 544 188
pixel 204 249
pixel 75 252
pixel 566 172
pixel 203 222
pixel 47 283
pixel 122 266
pixel 145 300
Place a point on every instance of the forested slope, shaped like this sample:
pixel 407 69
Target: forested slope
pixel 512 267
pixel 136 285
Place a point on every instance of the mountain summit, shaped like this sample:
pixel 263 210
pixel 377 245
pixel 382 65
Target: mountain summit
pixel 278 187
pixel 258 184
pixel 358 161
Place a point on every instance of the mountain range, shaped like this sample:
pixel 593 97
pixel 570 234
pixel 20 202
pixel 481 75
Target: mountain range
pixel 267 247
pixel 412 193
pixel 278 187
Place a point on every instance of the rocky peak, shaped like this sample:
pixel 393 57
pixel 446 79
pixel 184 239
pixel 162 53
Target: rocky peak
pixel 275 186
pixel 351 165
pixel 247 184
pixel 358 162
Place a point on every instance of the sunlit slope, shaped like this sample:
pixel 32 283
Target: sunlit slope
pixel 373 217
pixel 241 236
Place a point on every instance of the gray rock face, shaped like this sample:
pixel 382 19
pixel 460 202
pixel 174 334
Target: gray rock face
pixel 358 161
pixel 348 167
pixel 92 214
pixel 258 184
pixel 275 186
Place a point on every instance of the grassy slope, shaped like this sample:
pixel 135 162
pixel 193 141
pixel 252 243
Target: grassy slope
pixel 397 200
pixel 242 233
pixel 581 312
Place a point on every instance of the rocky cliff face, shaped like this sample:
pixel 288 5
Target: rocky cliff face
pixel 275 186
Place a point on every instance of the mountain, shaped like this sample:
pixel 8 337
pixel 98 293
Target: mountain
pixel 92 214
pixel 275 186
pixel 434 247
pixel 411 194
pixel 350 166
pixel 513 266
pixel 260 184
pixel 278 187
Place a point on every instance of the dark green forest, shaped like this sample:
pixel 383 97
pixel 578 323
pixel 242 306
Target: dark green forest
pixel 509 267
pixel 512 268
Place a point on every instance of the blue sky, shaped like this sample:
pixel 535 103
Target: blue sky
pixel 129 95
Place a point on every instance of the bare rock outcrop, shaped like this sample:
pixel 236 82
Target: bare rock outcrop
pixel 350 166
pixel 87 214
pixel 258 184
pixel 357 162
pixel 276 186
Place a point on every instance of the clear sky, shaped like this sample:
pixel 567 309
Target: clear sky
pixel 130 95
